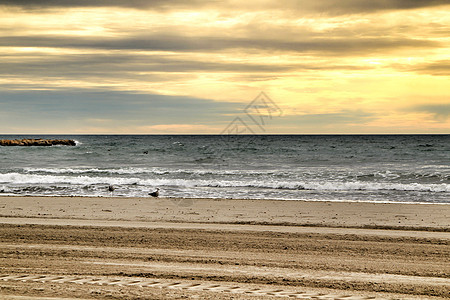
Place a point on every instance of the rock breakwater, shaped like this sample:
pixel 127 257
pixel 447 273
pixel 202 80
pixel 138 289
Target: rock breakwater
pixel 37 142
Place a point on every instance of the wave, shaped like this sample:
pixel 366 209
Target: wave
pixel 156 171
pixel 397 176
pixel 405 177
pixel 84 171
pixel 53 179
pixel 18 178
pixel 341 186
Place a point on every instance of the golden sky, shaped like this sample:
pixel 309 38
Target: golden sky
pixel 331 66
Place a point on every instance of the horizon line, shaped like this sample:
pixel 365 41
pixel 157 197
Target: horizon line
pixel 217 134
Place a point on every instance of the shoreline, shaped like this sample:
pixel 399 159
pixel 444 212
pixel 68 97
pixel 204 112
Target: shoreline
pixel 339 214
pixel 238 199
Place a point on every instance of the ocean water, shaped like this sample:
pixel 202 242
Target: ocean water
pixel 376 168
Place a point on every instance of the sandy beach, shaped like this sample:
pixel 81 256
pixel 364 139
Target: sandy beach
pixel 145 248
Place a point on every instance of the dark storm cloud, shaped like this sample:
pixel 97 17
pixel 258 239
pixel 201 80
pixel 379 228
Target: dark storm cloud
pixel 441 112
pixel 305 6
pixel 332 46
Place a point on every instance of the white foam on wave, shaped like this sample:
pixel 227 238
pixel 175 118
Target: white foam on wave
pixel 151 170
pixel 18 178
pixel 345 176
pixel 53 179
pixel 337 186
pixel 15 178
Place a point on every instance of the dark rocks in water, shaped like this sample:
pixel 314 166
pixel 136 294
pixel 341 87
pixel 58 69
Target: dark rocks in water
pixel 37 142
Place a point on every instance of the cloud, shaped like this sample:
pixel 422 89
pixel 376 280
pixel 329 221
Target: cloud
pixel 137 4
pixel 441 112
pixel 333 7
pixel 437 68
pixel 343 46
pixel 336 7
pixel 132 65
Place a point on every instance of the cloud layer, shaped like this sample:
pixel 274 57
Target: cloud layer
pixel 347 66
pixel 328 6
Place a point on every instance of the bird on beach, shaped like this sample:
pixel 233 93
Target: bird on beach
pixel 111 189
pixel 155 193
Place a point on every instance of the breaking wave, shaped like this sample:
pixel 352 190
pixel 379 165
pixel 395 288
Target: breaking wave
pixel 189 183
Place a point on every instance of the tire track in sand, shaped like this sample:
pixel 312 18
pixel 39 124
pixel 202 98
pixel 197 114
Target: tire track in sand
pixel 143 283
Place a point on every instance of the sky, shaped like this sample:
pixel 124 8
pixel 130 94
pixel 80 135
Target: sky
pixel 209 67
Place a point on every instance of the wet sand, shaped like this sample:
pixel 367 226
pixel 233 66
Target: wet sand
pixel 145 248
pixel 303 213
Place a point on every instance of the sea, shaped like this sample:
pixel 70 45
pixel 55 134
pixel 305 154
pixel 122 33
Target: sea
pixel 367 168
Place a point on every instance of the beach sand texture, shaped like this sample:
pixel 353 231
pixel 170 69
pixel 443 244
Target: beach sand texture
pixel 142 248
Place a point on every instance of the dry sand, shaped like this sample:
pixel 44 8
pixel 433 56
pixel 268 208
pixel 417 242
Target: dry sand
pixel 145 248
